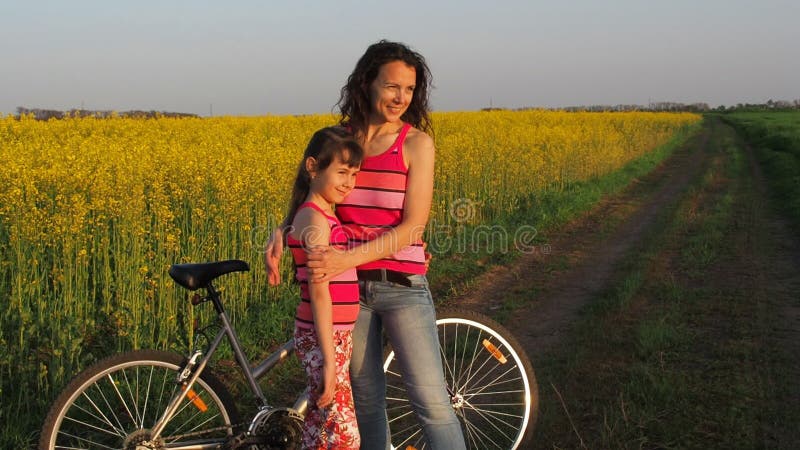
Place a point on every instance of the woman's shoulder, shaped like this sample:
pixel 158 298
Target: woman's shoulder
pixel 417 139
pixel 418 149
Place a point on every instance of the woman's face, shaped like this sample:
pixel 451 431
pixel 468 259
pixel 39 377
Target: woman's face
pixel 392 90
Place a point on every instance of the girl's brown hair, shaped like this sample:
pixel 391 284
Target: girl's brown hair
pixel 325 145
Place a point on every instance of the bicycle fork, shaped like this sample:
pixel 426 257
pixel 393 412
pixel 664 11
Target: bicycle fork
pixel 197 363
pixel 192 371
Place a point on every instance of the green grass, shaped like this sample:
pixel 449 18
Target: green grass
pixel 775 136
pixel 664 359
pixel 452 272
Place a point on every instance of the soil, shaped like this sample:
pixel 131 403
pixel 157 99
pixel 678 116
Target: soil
pixel 584 257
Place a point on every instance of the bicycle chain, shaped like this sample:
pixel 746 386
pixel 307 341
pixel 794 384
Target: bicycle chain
pixel 242 441
pixel 234 443
pixel 210 430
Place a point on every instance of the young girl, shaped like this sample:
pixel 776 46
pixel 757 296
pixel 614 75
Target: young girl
pixel 327 311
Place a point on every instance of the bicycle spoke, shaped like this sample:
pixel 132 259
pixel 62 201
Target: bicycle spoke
pixel 102 430
pixel 118 431
pixel 515 382
pixel 494 418
pixel 480 438
pixel 81 439
pixel 457 363
pixel 116 399
pixel 469 362
pixel 405 442
pixel 469 435
pixel 138 400
pixel 473 407
pixel 119 395
pixel 517 391
pixel 393 373
pixel 448 369
pixel 180 430
pixel 161 397
pixel 396 388
pixel 147 394
pixel 395 419
pixel 465 378
pixel 189 421
pixel 134 406
pixel 471 381
pixel 98 388
pixel 484 386
pixel 483 414
pixel 487 379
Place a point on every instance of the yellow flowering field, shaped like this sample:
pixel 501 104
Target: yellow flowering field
pixel 93 212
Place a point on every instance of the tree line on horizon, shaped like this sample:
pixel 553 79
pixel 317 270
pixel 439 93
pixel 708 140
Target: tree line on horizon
pixel 700 107
pixel 47 114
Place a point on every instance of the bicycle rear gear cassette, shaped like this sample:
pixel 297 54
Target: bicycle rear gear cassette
pixel 277 428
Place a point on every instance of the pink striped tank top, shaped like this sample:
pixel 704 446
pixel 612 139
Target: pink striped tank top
pixel 375 205
pixel 343 288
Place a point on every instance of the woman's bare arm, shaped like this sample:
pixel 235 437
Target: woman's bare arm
pixel 420 153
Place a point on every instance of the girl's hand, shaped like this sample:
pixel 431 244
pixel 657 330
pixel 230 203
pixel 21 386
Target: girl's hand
pixel 272 256
pixel 328 386
pixel 325 263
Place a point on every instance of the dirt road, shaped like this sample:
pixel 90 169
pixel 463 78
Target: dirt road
pixel 583 257
pixel 587 257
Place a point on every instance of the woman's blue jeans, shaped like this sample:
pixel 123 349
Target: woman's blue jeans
pixel 408 317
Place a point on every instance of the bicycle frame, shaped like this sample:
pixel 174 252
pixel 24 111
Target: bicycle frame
pixel 193 369
pixel 492 387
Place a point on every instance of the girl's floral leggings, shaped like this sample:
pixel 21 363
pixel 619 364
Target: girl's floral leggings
pixel 332 427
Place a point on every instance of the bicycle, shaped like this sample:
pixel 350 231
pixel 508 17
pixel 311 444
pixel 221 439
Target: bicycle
pixel 149 399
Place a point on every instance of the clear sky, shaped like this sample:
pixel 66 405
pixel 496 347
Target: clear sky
pixel 292 56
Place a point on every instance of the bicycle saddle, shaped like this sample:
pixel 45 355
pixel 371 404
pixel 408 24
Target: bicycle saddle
pixel 196 275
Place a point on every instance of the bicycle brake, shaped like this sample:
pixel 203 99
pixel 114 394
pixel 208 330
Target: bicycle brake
pixel 187 370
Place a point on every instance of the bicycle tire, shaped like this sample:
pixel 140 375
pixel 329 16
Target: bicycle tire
pixel 112 404
pixel 492 386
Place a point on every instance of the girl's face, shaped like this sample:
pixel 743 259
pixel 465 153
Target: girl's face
pixel 392 90
pixel 334 182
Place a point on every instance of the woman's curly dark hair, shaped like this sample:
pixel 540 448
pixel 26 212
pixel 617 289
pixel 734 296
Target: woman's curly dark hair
pixel 354 102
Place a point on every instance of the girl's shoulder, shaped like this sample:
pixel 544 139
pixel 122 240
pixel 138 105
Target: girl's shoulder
pixel 310 223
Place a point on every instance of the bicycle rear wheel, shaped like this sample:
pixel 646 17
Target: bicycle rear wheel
pixel 489 378
pixel 114 404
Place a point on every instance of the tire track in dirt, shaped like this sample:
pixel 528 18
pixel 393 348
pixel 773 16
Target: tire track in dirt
pixel 552 299
pixel 767 267
pixel 763 264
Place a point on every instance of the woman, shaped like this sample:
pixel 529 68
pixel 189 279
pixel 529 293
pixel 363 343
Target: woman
pixel 385 105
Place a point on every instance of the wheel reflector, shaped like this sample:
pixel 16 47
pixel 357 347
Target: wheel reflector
pixel 494 351
pixel 196 400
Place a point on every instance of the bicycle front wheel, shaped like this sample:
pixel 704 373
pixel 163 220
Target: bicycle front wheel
pixel 115 403
pixel 489 378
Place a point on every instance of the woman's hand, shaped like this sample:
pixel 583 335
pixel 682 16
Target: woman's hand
pixel 272 256
pixel 327 389
pixel 325 263
pixel 428 256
